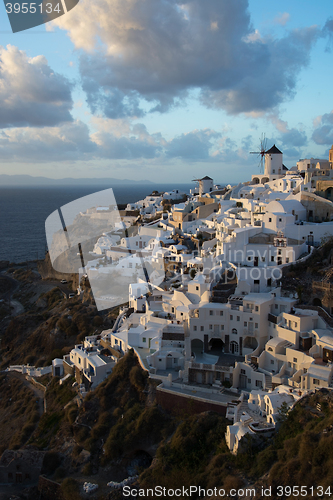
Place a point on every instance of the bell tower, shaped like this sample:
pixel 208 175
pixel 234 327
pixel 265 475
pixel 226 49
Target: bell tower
pixel 330 157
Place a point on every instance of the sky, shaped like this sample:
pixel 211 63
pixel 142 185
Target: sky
pixel 166 90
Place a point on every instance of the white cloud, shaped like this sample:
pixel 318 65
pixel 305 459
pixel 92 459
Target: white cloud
pixel 282 18
pixel 31 93
pixel 159 50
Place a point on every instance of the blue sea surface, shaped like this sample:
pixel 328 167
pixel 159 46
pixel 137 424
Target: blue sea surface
pixel 23 211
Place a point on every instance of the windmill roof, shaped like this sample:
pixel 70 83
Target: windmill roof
pixel 206 178
pixel 274 151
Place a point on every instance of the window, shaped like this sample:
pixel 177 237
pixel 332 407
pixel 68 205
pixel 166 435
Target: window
pixel 295 324
pixel 211 313
pixel 222 327
pixel 249 258
pixel 287 260
pixel 280 220
pixel 245 323
pixel 143 339
pixel 195 328
pixel 276 306
pixel 279 252
pixel 234 331
pixel 211 327
pixel 270 219
pixel 115 341
pixel 231 317
pixel 272 258
pixel 256 325
pixel 201 328
pixel 221 313
pixel 295 360
pixel 272 361
pixel 197 288
pixel 238 318
pixel 172 309
pixel 256 308
pixel 243 372
pixel 316 381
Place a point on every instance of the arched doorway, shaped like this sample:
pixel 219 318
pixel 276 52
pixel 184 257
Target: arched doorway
pixel 216 345
pixel 197 347
pixel 250 343
pixel 317 302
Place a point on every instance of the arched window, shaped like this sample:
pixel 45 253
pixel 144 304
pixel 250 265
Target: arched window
pixel 234 331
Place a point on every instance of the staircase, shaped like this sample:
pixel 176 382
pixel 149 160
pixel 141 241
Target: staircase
pixel 328 276
pixel 268 382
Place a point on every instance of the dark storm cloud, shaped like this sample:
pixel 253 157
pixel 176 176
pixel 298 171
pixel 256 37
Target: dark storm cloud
pixel 31 94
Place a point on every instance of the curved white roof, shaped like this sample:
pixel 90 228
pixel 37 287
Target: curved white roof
pixel 284 206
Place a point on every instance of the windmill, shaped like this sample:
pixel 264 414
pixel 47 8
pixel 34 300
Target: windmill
pixel 261 153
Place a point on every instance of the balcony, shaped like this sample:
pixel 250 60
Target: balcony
pixel 250 333
pixel 205 366
pixel 272 318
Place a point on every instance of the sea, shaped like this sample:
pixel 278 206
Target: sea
pixel 23 211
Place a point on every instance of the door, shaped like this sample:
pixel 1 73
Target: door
pixel 233 347
pixel 243 381
pixel 169 361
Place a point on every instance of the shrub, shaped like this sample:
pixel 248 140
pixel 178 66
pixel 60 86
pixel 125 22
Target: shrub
pixel 70 489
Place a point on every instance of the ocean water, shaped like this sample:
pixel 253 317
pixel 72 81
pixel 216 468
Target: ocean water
pixel 23 212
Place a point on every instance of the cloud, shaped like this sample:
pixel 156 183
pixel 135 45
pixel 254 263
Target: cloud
pixel 282 19
pixel 328 32
pixel 323 133
pixel 194 145
pixel 268 75
pixel 31 93
pixel 70 141
pixel 113 140
pixel 146 56
pixel 290 137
